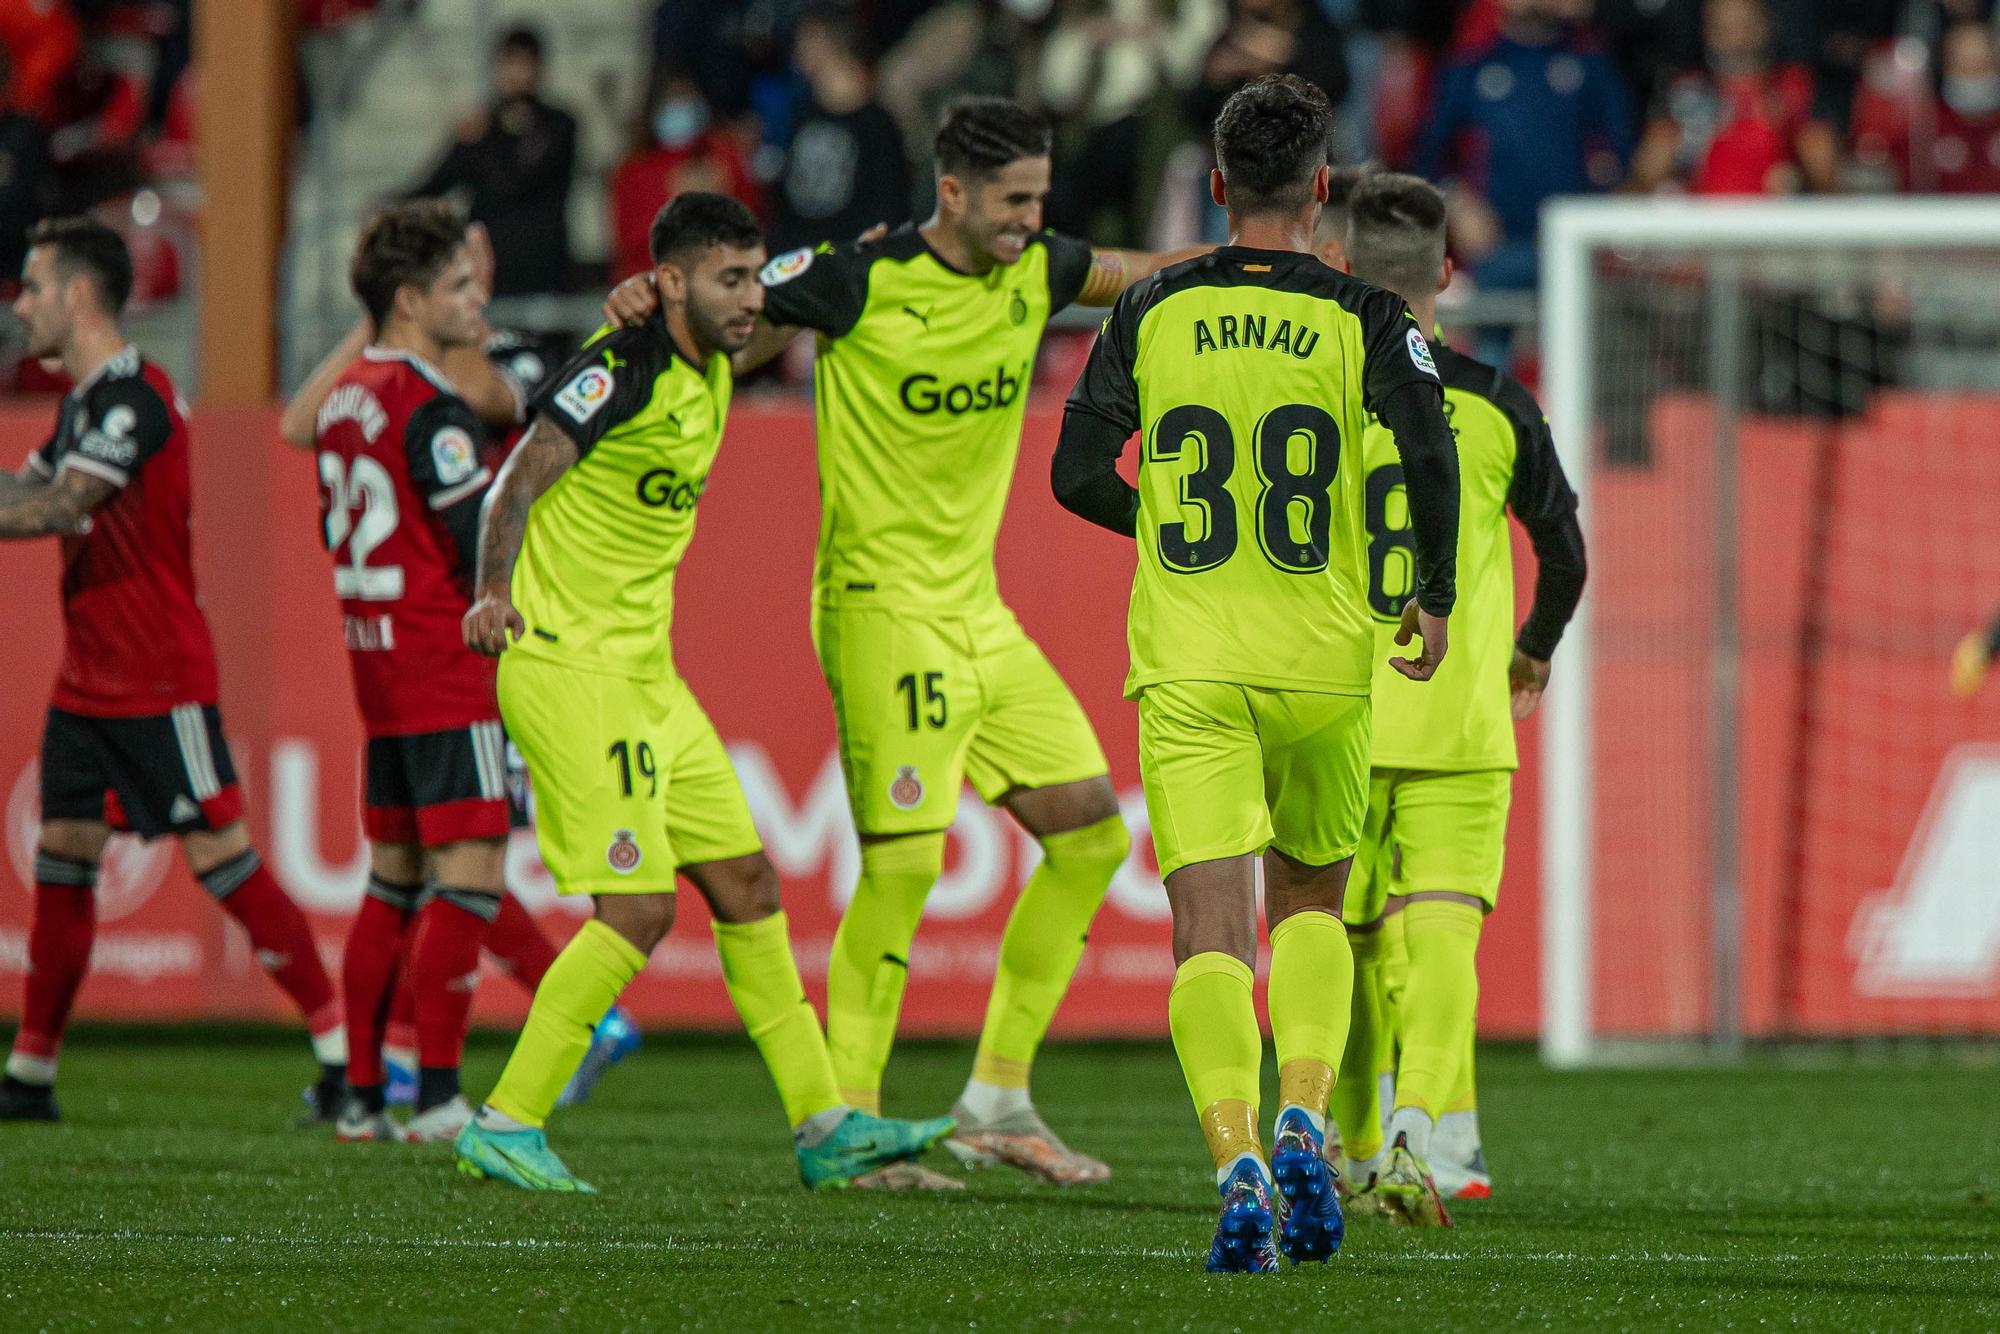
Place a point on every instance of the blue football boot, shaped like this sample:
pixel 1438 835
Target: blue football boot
pixel 614 1038
pixel 1243 1243
pixel 1312 1226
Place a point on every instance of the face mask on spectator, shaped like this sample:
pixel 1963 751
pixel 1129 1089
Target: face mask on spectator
pixel 1972 95
pixel 680 122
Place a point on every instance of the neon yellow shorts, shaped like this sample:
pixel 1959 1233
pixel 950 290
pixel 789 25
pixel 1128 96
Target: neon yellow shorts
pixel 631 780
pixel 923 703
pixel 1429 832
pixel 1231 769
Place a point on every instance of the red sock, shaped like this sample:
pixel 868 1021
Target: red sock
pixel 58 957
pixel 368 973
pixel 453 926
pixel 282 939
pixel 519 944
pixel 401 1032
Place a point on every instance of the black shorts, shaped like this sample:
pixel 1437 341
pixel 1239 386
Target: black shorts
pixel 168 773
pixel 435 788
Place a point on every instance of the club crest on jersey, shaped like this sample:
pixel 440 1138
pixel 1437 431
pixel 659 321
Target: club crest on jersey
pixel 1017 309
pixel 584 395
pixel 1420 353
pixel 786 266
pixel 623 856
pixel 453 455
pixel 906 793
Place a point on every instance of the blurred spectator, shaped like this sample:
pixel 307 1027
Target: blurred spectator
pixel 25 186
pixel 1102 66
pixel 43 39
pixel 677 147
pixel 514 160
pixel 1955 148
pixel 1270 37
pixel 844 169
pixel 1739 124
pixel 1539 110
pixel 961 48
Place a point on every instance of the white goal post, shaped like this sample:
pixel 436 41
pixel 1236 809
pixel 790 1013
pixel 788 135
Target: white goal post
pixel 1735 245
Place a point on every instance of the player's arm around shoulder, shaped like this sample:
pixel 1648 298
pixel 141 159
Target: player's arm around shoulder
pixel 1110 272
pixel 543 455
pixel 1543 502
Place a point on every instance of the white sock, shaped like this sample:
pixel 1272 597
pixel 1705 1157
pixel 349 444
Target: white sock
pixel 1415 1124
pixel 994 1102
pixel 1457 1138
pixel 1228 1169
pixel 819 1125
pixel 32 1069
pixel 1318 1119
pixel 403 1056
pixel 488 1119
pixel 330 1047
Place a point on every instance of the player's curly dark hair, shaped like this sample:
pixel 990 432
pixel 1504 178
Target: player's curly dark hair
pixel 980 135
pixel 1395 233
pixel 409 243
pixel 696 220
pixel 1271 136
pixel 87 246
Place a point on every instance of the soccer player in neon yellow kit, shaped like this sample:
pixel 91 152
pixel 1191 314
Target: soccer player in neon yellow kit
pixel 1443 755
pixel 1251 374
pixel 927 340
pixel 579 543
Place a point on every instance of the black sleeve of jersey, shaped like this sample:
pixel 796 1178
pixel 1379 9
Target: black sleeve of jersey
pixel 1414 414
pixel 42 462
pixel 1069 268
pixel 126 423
pixel 823 289
pixel 1993 638
pixel 1102 413
pixel 605 384
pixel 1396 350
pixel 1542 500
pixel 441 443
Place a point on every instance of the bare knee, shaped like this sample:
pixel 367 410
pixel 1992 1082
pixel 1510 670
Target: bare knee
pixel 1215 909
pixel 741 889
pixel 206 849
pixel 78 840
pixel 1292 886
pixel 472 863
pixel 643 919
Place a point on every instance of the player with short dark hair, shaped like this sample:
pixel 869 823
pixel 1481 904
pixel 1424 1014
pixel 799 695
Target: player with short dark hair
pixel 927 346
pixel 1443 756
pixel 401 480
pixel 134 738
pixel 580 541
pixel 1252 374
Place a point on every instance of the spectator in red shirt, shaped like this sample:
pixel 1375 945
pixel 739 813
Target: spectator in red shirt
pixel 677 148
pixel 1956 148
pixel 1740 124
pixel 43 39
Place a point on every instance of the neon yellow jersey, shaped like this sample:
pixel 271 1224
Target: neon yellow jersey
pixel 920 387
pixel 1250 374
pixel 595 578
pixel 1459 719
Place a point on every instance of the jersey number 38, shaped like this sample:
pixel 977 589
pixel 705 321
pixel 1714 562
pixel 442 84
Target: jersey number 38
pixel 1294 508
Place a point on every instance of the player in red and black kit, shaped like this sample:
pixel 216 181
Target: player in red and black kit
pixel 401 480
pixel 133 740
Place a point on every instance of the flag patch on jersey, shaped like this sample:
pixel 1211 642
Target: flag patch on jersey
pixel 584 395
pixel 1420 353
pixel 786 266
pixel 453 456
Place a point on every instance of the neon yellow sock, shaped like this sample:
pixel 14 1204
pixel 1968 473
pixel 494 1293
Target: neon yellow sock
pixel 763 980
pixel 1214 1023
pixel 1440 1002
pixel 1464 1092
pixel 1356 1105
pixel 1395 978
pixel 871 960
pixel 582 983
pixel 1310 998
pixel 1043 942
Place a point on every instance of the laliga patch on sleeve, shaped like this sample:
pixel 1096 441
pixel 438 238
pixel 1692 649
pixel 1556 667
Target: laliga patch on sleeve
pixel 453 455
pixel 1420 354
pixel 786 266
pixel 584 395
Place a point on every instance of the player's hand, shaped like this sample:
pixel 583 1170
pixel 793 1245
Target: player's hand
pixel 875 233
pixel 1969 665
pixel 489 623
pixel 1527 678
pixel 633 301
pixel 1420 624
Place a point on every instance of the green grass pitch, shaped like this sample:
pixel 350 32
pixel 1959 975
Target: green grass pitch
pixel 1850 1198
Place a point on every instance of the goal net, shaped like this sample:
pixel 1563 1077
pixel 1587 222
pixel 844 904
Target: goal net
pixel 1764 814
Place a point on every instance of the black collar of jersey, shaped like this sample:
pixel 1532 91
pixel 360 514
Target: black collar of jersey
pixel 908 242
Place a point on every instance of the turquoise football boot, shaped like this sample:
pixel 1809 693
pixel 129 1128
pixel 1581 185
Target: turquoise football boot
pixel 861 1143
pixel 518 1157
